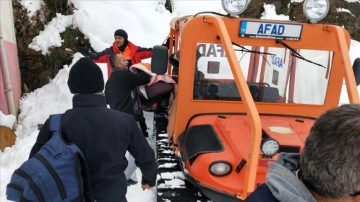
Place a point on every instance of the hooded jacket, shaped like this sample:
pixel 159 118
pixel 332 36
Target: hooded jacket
pixel 104 135
pixel 282 183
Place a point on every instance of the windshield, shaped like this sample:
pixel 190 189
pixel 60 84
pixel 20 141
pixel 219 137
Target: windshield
pixel 273 74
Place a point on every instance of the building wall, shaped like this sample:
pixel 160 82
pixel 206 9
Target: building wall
pixel 8 59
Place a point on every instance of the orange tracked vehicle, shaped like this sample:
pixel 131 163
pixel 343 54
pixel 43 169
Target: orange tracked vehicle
pixel 249 89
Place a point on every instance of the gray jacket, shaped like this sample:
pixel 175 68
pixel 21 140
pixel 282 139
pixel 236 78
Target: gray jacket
pixel 283 182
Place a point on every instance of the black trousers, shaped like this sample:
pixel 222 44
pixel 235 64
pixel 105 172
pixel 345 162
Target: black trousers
pixel 143 126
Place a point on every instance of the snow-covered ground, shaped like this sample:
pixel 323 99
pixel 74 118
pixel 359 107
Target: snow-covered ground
pixel 147 25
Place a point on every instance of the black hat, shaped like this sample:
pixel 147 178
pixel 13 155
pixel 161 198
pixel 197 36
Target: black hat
pixel 85 77
pixel 122 33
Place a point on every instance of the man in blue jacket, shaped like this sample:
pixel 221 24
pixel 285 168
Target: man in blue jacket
pixel 103 135
pixel 327 170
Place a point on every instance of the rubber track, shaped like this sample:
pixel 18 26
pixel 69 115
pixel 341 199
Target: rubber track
pixel 169 168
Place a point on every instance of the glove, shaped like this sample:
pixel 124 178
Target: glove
pixel 129 63
pixel 173 60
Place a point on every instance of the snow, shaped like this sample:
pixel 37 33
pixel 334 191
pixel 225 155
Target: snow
pixel 50 37
pixel 31 6
pixel 7 120
pixel 344 10
pixel 147 24
pixel 353 1
pixel 270 13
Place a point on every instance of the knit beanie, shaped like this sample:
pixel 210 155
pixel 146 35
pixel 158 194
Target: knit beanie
pixel 85 77
pixel 122 33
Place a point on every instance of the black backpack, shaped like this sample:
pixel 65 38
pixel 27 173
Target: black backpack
pixel 57 172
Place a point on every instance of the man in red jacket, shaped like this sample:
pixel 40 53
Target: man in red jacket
pixel 125 47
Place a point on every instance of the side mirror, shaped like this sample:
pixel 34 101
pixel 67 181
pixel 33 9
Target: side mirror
pixel 356 70
pixel 159 59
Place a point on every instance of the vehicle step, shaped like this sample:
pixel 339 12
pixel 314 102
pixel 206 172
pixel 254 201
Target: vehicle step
pixel 179 195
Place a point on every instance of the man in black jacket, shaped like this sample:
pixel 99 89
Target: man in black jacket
pixel 122 94
pixel 121 88
pixel 103 135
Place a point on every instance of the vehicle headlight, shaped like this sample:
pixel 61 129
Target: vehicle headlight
pixel 269 147
pixel 234 7
pixel 220 168
pixel 316 10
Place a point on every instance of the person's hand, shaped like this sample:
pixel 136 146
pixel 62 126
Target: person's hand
pixel 174 60
pixel 129 63
pixel 146 186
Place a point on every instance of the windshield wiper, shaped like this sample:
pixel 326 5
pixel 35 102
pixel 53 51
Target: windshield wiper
pixel 296 54
pixel 248 50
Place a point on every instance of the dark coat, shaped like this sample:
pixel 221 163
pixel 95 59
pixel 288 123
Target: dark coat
pixel 118 88
pixel 261 194
pixel 104 135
